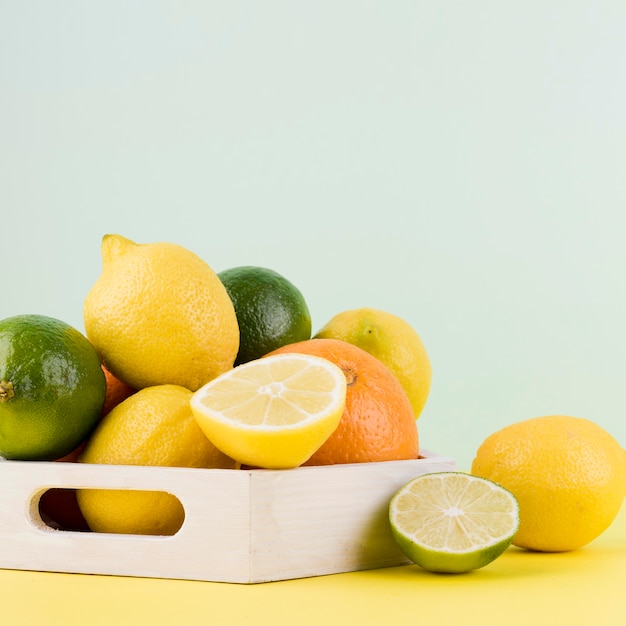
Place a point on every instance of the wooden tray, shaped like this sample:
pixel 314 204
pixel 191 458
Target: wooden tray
pixel 241 526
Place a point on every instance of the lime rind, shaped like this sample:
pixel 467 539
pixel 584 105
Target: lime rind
pixel 271 311
pixel 52 388
pixel 453 522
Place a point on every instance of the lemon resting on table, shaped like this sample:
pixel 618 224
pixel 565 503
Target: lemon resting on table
pixel 568 474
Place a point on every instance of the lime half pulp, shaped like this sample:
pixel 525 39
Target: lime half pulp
pixel 453 522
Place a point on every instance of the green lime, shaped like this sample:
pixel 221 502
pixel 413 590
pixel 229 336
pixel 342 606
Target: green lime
pixel 453 522
pixel 271 311
pixel 52 388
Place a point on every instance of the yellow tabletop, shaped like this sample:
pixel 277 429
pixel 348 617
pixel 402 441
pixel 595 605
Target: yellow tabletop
pixel 587 586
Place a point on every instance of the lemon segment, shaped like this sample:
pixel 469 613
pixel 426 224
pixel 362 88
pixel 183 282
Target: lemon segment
pixel 273 412
pixel 453 522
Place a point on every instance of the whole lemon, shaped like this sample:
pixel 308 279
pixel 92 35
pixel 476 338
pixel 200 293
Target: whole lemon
pixel 158 314
pixel 154 426
pixel 393 341
pixel 52 388
pixel 568 474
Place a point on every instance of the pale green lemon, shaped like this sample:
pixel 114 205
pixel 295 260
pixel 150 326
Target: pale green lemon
pixel 393 341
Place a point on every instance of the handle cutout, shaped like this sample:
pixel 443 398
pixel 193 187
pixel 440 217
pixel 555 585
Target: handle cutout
pixel 117 511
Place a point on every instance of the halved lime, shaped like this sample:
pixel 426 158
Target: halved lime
pixel 453 522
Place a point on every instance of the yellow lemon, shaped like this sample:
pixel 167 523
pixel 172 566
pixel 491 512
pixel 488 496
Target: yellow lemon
pixel 158 314
pixel 154 426
pixel 273 412
pixel 393 341
pixel 568 474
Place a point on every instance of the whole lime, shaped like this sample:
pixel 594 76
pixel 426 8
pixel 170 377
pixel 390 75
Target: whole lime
pixel 52 388
pixel 271 310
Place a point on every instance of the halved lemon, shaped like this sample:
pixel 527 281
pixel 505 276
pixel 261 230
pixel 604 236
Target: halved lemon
pixel 273 412
pixel 453 522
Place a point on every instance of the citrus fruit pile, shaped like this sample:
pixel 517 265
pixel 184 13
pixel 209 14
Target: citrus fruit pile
pixel 181 366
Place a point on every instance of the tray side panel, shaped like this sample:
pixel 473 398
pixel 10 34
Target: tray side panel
pixel 240 526
pixel 212 544
pixel 328 519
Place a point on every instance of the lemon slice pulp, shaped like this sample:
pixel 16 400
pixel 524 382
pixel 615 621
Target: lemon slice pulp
pixel 273 412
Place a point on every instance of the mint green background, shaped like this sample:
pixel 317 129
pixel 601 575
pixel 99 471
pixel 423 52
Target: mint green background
pixel 460 164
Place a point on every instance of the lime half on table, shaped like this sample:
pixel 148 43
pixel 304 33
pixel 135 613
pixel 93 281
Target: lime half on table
pixel 453 522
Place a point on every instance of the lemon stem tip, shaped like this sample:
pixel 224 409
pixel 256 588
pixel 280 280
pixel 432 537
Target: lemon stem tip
pixel 114 246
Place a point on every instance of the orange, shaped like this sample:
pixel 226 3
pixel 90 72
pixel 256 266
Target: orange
pixel 116 391
pixel 59 509
pixel 378 423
